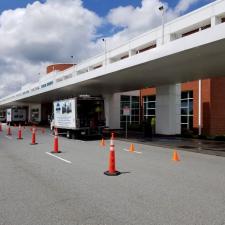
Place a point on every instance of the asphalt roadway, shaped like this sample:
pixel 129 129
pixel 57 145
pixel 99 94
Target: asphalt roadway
pixel 37 188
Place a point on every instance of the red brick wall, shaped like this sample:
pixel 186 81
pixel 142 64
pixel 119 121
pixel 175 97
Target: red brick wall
pixel 206 106
pixel 217 116
pixel 59 67
pixel 213 104
pixel 147 91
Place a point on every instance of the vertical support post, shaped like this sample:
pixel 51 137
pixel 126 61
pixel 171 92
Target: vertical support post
pixel 163 27
pixel 126 127
pixel 161 8
pixel 199 107
pixel 168 106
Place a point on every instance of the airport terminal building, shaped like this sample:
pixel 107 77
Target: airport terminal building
pixel 174 73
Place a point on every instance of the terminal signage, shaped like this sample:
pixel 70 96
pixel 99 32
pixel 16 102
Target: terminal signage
pixel 9 115
pixel 65 114
pixel 126 111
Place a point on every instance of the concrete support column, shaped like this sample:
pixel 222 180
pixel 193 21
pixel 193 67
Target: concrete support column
pixel 168 109
pixel 214 21
pixel 112 110
pixel 132 52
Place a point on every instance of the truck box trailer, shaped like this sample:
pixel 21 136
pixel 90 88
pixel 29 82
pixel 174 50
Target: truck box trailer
pixel 16 115
pixel 79 116
pixel 2 116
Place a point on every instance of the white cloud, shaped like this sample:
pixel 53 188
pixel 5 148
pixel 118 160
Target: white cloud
pixel 40 33
pixel 134 21
pixel 48 32
pixel 184 5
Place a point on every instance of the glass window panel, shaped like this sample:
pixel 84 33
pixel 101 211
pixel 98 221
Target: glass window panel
pixel 191 111
pixel 135 98
pixel 135 118
pixel 191 103
pixel 184 119
pixel 135 111
pixel 122 118
pixel 151 98
pixel 135 105
pixel 125 98
pixel 190 94
pixel 183 126
pixel 184 103
pixel 151 112
pixel 190 122
pixel 122 125
pixel 184 95
pixel 145 111
pixel 123 104
pixel 184 111
pixel 151 104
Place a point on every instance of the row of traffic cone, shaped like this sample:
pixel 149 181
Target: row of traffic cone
pixel 8 129
pixel 33 137
pixel 175 156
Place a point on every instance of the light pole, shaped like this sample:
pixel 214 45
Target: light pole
pixel 162 10
pixel 72 57
pixel 104 40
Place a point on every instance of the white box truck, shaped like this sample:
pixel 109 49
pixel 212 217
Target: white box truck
pixel 2 116
pixel 79 116
pixel 16 115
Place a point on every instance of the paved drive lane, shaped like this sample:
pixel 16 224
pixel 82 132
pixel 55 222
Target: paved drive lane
pixel 36 188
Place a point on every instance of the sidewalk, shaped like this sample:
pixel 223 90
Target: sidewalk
pixel 187 144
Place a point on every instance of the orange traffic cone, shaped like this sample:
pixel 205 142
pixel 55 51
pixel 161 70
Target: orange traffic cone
pixel 102 143
pixel 131 149
pixel 175 156
pixel 112 164
pixel 0 126
pixel 19 133
pixel 33 138
pixel 9 131
pixel 56 143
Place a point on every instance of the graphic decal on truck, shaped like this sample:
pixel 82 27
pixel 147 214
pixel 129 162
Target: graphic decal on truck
pixel 65 114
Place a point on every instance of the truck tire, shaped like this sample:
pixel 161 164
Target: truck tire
pixel 73 135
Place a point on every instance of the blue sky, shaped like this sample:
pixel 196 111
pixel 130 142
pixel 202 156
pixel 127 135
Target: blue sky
pixel 101 7
pixel 36 36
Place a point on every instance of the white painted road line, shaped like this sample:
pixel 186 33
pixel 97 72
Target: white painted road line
pixel 9 137
pixel 127 150
pixel 67 161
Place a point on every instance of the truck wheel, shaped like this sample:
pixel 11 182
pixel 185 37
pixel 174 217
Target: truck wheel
pixel 73 135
